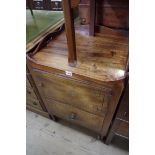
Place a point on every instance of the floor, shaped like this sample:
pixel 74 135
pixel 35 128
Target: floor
pixel 45 137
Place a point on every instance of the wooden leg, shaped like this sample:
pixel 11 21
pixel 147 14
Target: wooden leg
pixel 70 32
pixel 109 137
pixel 92 17
pixel 54 118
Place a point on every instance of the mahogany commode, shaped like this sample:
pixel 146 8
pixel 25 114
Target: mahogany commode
pixel 91 92
pixel 85 88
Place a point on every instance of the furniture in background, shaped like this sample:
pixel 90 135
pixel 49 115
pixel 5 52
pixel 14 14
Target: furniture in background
pixel 120 124
pixel 109 13
pixel 54 5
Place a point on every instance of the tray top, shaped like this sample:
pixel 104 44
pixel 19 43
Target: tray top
pixel 103 57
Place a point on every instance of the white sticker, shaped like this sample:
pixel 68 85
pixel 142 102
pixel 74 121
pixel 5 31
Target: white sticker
pixel 68 73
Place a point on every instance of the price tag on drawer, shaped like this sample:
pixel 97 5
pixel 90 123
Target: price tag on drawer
pixel 68 73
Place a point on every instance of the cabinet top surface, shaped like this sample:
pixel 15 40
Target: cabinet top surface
pixel 103 57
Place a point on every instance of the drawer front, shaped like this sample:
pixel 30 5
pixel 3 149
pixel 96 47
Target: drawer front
pixel 73 92
pixel 75 115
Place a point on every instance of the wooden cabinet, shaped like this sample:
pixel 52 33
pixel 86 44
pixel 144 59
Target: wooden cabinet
pixel 120 124
pixel 88 93
pixel 77 77
pixel 110 13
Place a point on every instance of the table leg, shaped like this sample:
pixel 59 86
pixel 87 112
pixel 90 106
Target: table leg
pixel 92 17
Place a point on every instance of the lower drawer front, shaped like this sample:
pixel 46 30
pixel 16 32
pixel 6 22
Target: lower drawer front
pixel 123 129
pixel 75 115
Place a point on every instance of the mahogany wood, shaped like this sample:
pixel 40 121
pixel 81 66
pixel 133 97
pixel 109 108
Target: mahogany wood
pixel 120 125
pixel 75 115
pixel 106 55
pixel 74 3
pixel 109 13
pixel 87 93
pixel 60 88
pixel 95 85
pixel 69 28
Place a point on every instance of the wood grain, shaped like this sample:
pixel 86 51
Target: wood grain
pixel 91 98
pixel 74 3
pixel 82 118
pixel 70 34
pixel 109 13
pixel 101 67
pixel 99 58
pixel 120 124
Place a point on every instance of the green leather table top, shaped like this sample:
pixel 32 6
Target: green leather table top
pixel 40 22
